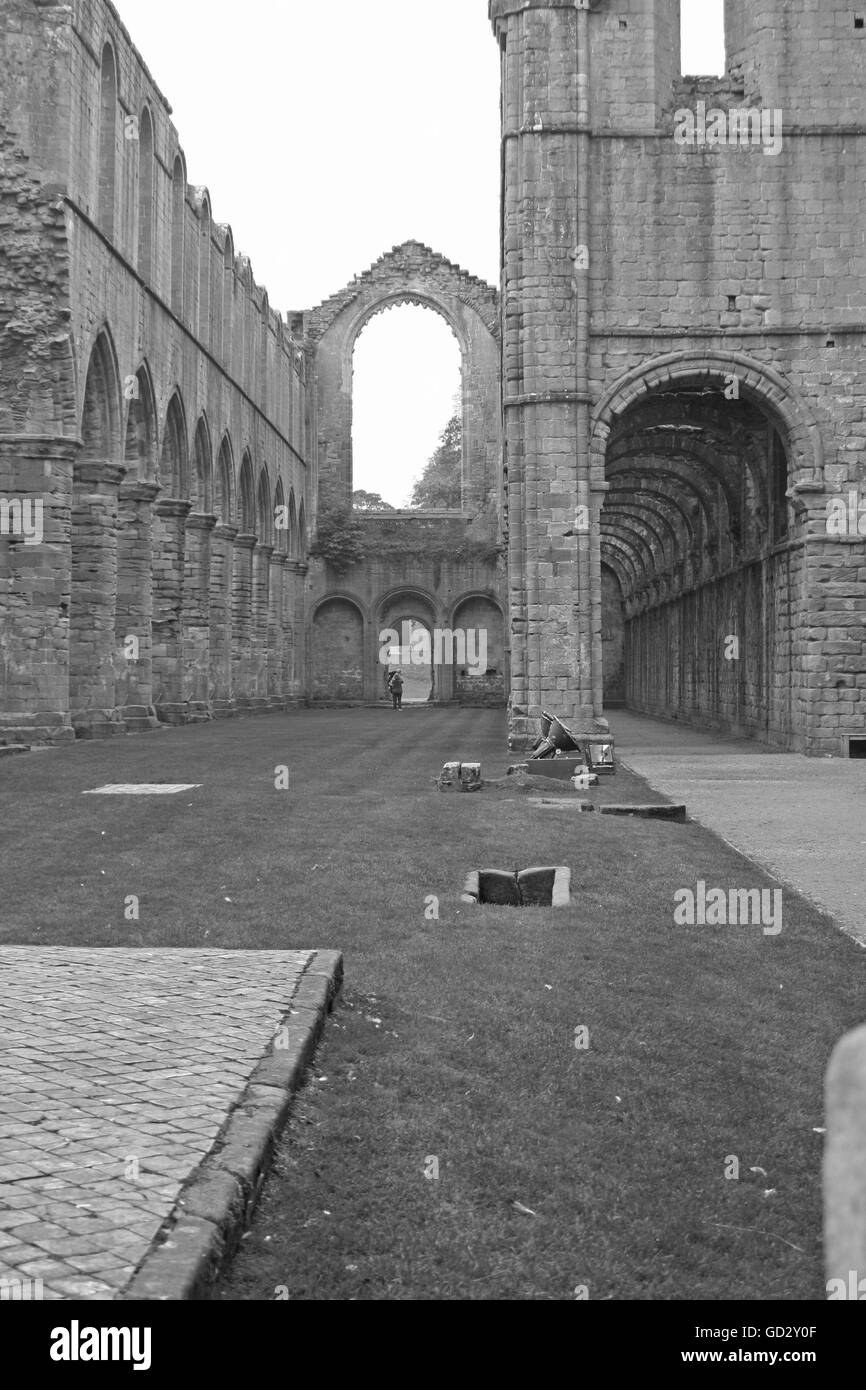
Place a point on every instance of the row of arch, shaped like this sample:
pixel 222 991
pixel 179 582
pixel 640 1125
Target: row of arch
pixel 241 496
pixel 349 655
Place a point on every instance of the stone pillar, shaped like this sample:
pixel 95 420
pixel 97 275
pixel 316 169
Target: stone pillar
pixel 35 590
pixel 278 686
pixel 134 611
pixel 196 616
pixel 242 621
pixel 290 637
pixel 261 606
pixel 169 550
pixel 302 633
pixel 555 613
pixel 221 576
pixel 92 652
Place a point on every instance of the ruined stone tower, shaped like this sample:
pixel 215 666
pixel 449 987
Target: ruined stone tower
pixel 683 366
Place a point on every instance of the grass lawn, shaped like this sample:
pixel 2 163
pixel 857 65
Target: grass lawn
pixel 455 1038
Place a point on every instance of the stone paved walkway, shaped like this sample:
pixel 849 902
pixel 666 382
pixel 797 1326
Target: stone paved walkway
pixel 117 1070
pixel 802 818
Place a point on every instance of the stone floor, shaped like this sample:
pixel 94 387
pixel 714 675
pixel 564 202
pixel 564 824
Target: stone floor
pixel 117 1070
pixel 802 818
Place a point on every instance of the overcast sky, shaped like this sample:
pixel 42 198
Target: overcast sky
pixel 329 131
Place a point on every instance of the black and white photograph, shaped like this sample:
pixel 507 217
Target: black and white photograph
pixel 404 401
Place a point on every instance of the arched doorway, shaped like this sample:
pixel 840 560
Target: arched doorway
pixel 406 638
pixel 697 535
pixel 412 654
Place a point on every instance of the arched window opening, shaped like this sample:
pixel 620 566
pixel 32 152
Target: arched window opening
pixel 229 291
pixel 145 195
pixel 407 447
pixel 247 499
pixel 264 511
pixel 703 38
pixel 178 208
pixel 107 141
pixel 282 520
pixel 173 464
pixel 140 451
pixel 294 546
pixel 201 499
pixel 204 324
pixel 263 354
pixel 223 500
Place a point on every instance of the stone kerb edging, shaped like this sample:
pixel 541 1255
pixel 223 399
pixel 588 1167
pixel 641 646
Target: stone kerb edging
pixel 845 1166
pixel 216 1205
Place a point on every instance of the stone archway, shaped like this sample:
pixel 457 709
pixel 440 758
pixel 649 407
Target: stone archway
pixel 412 615
pixel 411 274
pixel 700 463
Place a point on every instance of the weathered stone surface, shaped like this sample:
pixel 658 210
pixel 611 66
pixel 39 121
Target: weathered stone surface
pixel 845 1163
pixel 660 403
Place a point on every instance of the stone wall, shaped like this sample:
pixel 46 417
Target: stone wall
pixel 151 399
pixel 440 569
pixel 686 322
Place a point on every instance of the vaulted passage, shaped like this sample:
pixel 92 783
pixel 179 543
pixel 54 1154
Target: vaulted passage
pixel 695 529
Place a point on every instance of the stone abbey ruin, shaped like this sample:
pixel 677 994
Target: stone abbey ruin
pixel 663 401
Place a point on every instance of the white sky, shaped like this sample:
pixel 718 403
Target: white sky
pixel 329 131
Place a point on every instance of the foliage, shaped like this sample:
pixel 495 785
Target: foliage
pixel 339 537
pixel 370 502
pixel 439 486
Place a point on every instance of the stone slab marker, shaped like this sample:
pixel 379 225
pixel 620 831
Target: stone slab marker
pixel 845 1164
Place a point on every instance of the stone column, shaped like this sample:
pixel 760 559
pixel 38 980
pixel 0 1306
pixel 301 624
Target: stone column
pixel 261 605
pixel 242 621
pixel 221 576
pixel 169 551
pixel 36 474
pixel 546 395
pixel 196 616
pixel 134 612
pixel 302 634
pixel 278 686
pixel 92 653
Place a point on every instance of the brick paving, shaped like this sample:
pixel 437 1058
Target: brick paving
pixel 117 1071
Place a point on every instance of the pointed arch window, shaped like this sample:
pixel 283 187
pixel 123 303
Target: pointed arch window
pixel 204 319
pixel 107 141
pixel 145 195
pixel 178 207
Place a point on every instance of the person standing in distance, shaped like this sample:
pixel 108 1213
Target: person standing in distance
pixel 395 685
